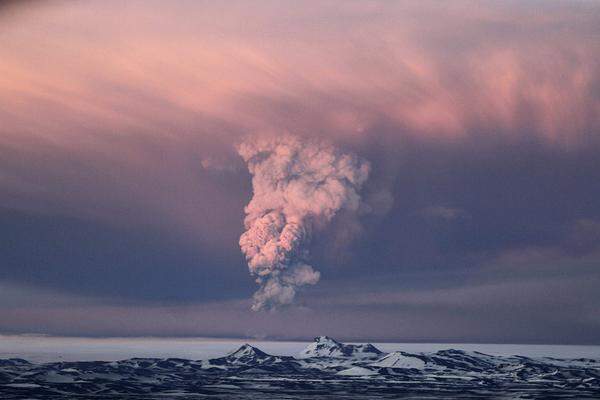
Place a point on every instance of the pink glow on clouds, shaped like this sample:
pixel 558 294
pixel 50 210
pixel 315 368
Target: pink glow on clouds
pixel 82 69
pixel 129 113
pixel 126 92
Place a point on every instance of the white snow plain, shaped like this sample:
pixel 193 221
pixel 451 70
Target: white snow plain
pixel 39 349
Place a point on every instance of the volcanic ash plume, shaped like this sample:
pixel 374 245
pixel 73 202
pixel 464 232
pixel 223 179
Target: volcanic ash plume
pixel 298 186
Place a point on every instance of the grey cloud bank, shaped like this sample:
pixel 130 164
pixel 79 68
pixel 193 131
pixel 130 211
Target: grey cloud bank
pixel 123 194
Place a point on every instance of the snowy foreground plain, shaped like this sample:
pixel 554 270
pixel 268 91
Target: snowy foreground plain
pixel 76 368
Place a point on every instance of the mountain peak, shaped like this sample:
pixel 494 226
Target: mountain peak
pixel 244 355
pixel 325 339
pixel 324 346
pixel 247 350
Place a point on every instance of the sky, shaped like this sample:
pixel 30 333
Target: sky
pixel 122 188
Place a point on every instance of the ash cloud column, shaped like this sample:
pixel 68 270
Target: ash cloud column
pixel 298 187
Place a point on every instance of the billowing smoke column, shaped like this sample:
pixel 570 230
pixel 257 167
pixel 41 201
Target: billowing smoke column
pixel 299 186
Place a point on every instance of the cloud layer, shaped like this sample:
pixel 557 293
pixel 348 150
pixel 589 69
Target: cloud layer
pixel 120 177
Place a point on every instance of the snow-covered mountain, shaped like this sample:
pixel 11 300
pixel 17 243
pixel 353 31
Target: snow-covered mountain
pixel 248 355
pixel 249 359
pixel 324 367
pixel 324 346
pixel 399 359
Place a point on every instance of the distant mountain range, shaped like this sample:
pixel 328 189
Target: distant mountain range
pixel 324 369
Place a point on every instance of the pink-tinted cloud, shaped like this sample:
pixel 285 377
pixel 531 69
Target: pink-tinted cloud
pixel 480 114
pixel 430 70
pixel 92 81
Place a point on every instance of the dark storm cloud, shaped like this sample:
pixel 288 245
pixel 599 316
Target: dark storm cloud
pixel 122 194
pixel 87 258
pixel 505 195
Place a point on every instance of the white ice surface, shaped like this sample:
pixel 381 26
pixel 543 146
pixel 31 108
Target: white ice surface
pixel 47 349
